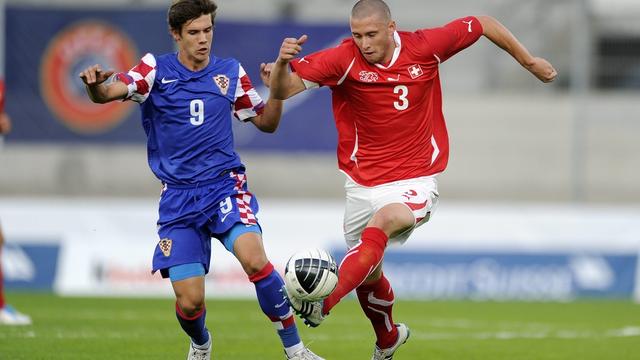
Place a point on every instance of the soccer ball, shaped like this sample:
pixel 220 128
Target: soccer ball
pixel 311 275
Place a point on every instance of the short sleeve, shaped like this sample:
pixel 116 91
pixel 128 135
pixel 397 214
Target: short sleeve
pixel 327 67
pixel 248 102
pixel 448 40
pixel 140 78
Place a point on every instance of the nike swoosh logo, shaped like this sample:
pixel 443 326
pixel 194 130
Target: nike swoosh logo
pixel 225 216
pixel 394 79
pixel 280 305
pixel 165 81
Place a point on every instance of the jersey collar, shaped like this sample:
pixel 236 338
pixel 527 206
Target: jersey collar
pixel 192 74
pixel 396 51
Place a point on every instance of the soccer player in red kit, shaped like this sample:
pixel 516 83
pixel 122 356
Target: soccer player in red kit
pixel 8 315
pixel 392 139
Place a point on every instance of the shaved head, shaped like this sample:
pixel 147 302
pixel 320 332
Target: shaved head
pixel 373 30
pixel 366 8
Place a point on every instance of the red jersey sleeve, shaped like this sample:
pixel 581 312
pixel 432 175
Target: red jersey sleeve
pixel 448 40
pixel 325 67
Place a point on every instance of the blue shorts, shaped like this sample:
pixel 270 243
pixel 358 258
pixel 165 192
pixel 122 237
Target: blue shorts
pixel 189 216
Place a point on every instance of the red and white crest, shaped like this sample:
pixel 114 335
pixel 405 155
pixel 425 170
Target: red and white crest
pixel 368 76
pixel 223 83
pixel 165 246
pixel 415 71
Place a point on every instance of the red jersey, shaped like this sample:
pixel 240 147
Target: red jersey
pixel 389 118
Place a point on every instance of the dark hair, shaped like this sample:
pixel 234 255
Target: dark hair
pixel 365 8
pixel 182 11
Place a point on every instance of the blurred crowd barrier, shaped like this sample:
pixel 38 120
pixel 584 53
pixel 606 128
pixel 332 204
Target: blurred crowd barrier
pixel 512 138
pixel 467 251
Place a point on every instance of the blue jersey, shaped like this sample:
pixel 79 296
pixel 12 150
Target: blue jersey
pixel 187 115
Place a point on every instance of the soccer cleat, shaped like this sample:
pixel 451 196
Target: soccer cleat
pixel 11 316
pixel 387 354
pixel 309 311
pixel 197 353
pixel 304 354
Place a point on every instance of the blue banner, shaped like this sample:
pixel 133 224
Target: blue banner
pixel 47 48
pixel 30 266
pixel 509 276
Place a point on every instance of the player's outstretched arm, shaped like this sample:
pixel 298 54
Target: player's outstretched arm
pixel 501 36
pixel 269 120
pixel 284 84
pixel 94 78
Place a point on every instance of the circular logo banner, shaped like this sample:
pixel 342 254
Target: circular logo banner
pixel 71 50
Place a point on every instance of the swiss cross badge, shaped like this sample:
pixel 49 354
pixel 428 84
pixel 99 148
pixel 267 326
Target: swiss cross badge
pixel 415 71
pixel 223 83
pixel 165 246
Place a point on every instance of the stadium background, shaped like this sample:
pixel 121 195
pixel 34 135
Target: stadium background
pixel 540 200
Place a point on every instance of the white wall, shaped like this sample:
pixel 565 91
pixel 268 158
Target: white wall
pixel 106 245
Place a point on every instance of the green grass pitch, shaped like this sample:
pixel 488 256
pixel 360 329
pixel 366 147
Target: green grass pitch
pixel 115 328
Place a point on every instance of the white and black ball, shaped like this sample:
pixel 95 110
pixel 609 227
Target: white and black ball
pixel 311 275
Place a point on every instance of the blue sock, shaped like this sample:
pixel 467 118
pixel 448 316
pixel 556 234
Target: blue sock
pixel 194 326
pixel 269 286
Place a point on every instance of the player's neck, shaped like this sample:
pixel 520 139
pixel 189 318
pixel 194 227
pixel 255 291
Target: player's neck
pixel 389 54
pixel 191 63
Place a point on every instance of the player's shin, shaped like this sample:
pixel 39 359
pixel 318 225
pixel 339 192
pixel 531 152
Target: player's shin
pixel 358 264
pixel 270 295
pixel 194 325
pixel 376 299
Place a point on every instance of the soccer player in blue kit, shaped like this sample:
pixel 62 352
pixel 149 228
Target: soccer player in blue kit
pixel 186 99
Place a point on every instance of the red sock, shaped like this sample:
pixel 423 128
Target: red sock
pixel 376 300
pixel 358 264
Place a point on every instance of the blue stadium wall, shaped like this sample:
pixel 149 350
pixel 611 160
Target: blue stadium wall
pixel 47 48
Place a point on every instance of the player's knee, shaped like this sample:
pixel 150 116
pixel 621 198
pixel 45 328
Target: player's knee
pixel 254 264
pixel 190 306
pixel 392 220
pixel 190 301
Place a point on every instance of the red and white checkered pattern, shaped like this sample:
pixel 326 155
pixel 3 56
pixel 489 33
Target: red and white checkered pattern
pixel 243 200
pixel 246 214
pixel 248 103
pixel 140 78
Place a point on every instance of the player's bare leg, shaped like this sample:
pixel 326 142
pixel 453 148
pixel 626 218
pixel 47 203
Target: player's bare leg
pixel 191 314
pixel 269 286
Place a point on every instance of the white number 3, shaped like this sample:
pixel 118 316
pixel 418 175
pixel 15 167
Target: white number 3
pixel 403 104
pixel 197 112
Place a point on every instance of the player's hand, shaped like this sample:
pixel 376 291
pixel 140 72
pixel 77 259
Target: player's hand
pixel 290 48
pixel 5 124
pixel 94 75
pixel 542 69
pixel 265 73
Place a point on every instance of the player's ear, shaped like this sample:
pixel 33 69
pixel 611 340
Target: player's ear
pixel 392 26
pixel 174 34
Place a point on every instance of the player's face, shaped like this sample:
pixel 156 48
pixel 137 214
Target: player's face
pixel 194 41
pixel 374 38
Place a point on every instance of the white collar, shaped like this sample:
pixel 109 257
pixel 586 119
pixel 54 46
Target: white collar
pixel 396 51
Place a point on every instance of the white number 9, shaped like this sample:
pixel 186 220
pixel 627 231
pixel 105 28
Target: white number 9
pixel 197 112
